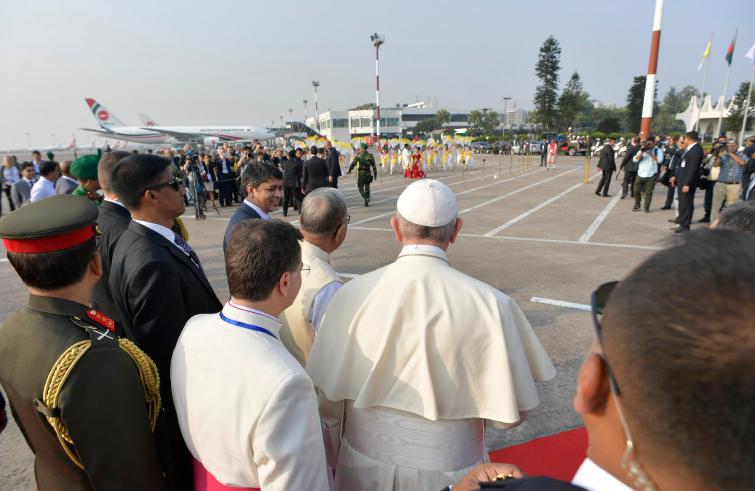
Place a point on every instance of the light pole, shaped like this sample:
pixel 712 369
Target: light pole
pixel 305 110
pixel 290 114
pixel 505 113
pixel 377 41
pixel 316 84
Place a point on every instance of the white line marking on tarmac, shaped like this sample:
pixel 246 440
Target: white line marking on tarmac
pixel 599 220
pixel 512 193
pixel 533 210
pixel 348 275
pixel 562 303
pixel 382 215
pixel 533 239
pixel 3 260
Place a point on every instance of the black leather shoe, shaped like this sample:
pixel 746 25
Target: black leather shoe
pixel 680 230
pixel 704 220
pixel 665 207
pixel 636 208
pixel 673 220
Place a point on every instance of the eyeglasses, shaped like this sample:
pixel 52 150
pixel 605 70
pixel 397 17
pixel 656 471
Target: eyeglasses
pixel 629 461
pixel 348 220
pixel 304 269
pixel 599 300
pixel 174 183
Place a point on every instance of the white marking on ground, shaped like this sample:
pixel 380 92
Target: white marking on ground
pixel 599 220
pixel 562 303
pixel 512 193
pixel 533 239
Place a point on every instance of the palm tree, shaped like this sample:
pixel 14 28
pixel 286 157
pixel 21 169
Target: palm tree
pixel 443 117
pixel 475 119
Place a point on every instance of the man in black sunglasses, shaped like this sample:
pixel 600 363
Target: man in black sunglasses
pixel 157 283
pixel 668 397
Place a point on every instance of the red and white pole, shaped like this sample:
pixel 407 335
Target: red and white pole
pixel 655 44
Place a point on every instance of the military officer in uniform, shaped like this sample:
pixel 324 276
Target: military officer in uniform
pixel 364 161
pixel 85 401
pixel 85 170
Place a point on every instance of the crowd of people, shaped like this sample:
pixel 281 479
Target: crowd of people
pixel 126 371
pixel 681 164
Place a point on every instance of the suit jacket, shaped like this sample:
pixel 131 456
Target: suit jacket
pixel 315 174
pixel 540 483
pixel 334 164
pixel 607 161
pixel 65 186
pixel 156 289
pixel 688 171
pixel 292 170
pixel 113 220
pixel 243 212
pixel 20 193
pixel 627 163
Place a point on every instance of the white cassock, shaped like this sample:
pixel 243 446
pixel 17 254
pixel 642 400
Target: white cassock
pixel 246 408
pixel 409 362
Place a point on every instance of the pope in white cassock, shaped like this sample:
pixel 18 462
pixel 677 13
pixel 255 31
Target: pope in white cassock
pixel 413 358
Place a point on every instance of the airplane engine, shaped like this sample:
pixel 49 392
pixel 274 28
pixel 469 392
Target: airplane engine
pixel 210 141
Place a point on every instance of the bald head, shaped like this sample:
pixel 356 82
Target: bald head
pixel 323 212
pixel 105 169
pixel 65 168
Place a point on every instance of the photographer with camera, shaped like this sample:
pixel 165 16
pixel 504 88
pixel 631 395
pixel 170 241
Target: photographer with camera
pixel 708 176
pixel 196 176
pixel 671 157
pixel 647 158
pixel 729 184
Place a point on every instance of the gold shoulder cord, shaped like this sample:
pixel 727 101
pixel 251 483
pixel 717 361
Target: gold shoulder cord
pixel 64 366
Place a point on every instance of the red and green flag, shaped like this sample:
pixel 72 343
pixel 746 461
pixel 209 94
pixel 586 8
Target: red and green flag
pixel 730 51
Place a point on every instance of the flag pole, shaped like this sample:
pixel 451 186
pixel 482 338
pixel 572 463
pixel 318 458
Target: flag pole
pixel 726 88
pixel 747 108
pixel 649 99
pixel 705 79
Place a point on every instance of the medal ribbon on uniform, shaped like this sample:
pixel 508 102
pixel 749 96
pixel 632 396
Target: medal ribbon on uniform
pixel 244 325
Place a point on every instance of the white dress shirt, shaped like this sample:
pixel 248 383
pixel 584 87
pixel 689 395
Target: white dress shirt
pixel 11 175
pixel 169 235
pixel 263 215
pixel 320 304
pixel 648 167
pixel 116 202
pixel 593 478
pixel 44 188
pixel 246 408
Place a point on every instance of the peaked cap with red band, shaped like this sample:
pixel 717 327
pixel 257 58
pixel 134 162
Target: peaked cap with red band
pixel 53 224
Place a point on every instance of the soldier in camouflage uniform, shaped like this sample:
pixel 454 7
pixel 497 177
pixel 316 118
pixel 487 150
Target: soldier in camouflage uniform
pixel 363 162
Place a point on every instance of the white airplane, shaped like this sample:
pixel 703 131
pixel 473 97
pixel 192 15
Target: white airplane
pixel 112 127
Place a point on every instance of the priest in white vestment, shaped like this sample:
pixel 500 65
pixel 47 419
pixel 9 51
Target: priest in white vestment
pixel 413 358
pixel 246 408
pixel 324 221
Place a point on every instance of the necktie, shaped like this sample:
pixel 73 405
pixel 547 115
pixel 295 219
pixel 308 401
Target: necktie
pixel 187 249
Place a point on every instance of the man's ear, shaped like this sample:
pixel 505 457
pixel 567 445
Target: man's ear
pixel 593 386
pixel 284 283
pixel 457 229
pixel 396 229
pixel 95 265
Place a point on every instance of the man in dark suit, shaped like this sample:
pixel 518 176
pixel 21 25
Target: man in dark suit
pixel 315 174
pixel 334 165
pixel 607 164
pixel 224 173
pixel 113 219
pixel 292 169
pixel 641 407
pixel 686 178
pixel 66 183
pixel 157 283
pixel 263 183
pixel 630 168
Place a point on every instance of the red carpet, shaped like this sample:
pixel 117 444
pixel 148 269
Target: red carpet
pixel 557 456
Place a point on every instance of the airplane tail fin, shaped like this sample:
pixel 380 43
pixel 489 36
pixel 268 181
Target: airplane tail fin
pixel 147 121
pixel 297 127
pixel 105 118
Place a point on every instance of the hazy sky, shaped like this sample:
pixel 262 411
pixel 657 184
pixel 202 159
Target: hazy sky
pixel 248 62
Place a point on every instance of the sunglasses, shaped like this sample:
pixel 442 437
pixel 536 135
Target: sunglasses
pixel 174 183
pixel 598 303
